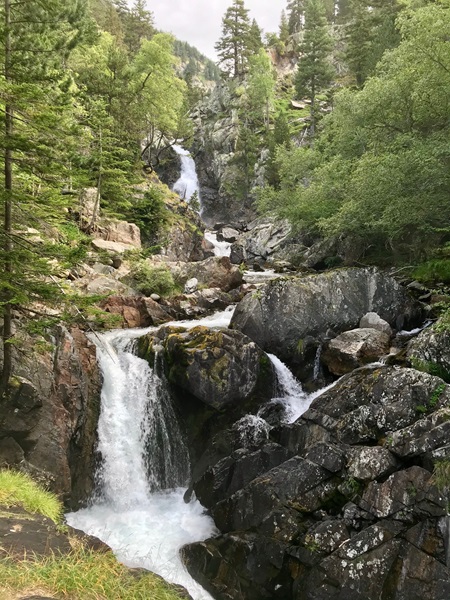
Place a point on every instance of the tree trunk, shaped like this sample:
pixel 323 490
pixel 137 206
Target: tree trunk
pixel 7 226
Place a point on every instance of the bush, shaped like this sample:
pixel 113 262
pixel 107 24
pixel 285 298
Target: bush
pixel 433 271
pixel 152 280
pixel 149 213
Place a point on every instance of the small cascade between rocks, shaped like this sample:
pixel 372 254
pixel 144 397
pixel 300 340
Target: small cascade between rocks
pixel 289 391
pixel 220 248
pixel 187 185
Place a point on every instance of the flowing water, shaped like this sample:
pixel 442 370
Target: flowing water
pixel 220 248
pixel 289 391
pixel 139 510
pixel 187 184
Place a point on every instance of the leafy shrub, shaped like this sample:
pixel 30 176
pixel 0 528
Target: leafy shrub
pixel 149 213
pixel 433 271
pixel 152 280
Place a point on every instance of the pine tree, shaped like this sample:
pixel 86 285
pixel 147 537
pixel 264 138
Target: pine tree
pixel 296 13
pixel 315 72
pixel 284 28
pixel 233 46
pixel 254 42
pixel 140 26
pixel 37 38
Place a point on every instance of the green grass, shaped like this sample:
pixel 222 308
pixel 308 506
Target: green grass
pixel 81 575
pixel 18 489
pixel 433 271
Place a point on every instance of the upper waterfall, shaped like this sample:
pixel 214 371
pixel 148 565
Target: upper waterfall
pixel 187 184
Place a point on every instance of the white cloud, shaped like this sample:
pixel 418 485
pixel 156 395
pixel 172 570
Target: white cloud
pixel 199 22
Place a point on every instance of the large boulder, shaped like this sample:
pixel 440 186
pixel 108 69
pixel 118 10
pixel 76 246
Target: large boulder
pixel 217 367
pixel 214 272
pixel 355 348
pixel 264 238
pixel 119 231
pixel 291 317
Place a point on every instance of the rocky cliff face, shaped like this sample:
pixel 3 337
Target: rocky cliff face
pixel 49 419
pixel 216 131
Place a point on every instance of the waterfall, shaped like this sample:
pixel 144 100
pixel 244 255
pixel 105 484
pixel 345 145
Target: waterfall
pixel 220 248
pixel 139 510
pixel 289 391
pixel 187 184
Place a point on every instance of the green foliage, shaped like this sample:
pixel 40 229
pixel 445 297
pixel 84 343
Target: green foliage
pixel 378 172
pixel 149 213
pixel 18 489
pixel 433 271
pixel 441 475
pixel 235 45
pixel 315 71
pixel 152 280
pixel 295 14
pixel 432 369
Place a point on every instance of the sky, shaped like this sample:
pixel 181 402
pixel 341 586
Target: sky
pixel 199 22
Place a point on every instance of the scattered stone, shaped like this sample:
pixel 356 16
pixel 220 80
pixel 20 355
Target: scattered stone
pixel 373 321
pixel 191 286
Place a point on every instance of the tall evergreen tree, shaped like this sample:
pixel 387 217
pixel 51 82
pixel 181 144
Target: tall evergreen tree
pixel 37 38
pixel 254 42
pixel 233 47
pixel 284 28
pixel 315 71
pixel 295 14
pixel 140 26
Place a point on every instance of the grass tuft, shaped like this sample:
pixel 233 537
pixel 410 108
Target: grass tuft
pixel 83 573
pixel 18 489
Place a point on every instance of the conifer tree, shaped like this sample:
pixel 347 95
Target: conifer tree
pixel 140 26
pixel 315 71
pixel 295 14
pixel 284 28
pixel 233 47
pixel 37 38
pixel 254 42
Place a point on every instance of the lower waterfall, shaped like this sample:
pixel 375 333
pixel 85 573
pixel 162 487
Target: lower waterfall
pixel 139 510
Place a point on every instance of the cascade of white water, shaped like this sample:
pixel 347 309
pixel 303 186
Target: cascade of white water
pixel 143 454
pixel 220 248
pixel 187 184
pixel 290 391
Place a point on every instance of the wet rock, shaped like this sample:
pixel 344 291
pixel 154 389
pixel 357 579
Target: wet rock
pixel 263 240
pixel 368 463
pixel 430 352
pixel 24 534
pixel 234 472
pixel 290 317
pixel 404 495
pixel 48 421
pixel 297 481
pixel 355 348
pixel 191 286
pixel 217 367
pixel 237 568
pixel 184 243
pixel 228 234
